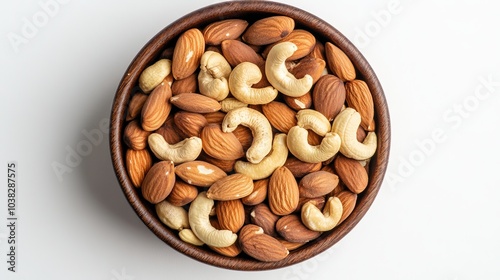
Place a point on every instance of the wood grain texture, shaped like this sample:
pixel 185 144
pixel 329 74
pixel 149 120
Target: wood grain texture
pixel 251 11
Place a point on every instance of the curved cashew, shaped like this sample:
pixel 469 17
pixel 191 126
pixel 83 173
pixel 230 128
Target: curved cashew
pixel 213 76
pixel 278 75
pixel 313 120
pixel 154 74
pixel 243 76
pixel 186 150
pixel 231 103
pixel 266 167
pixel 187 235
pixel 199 212
pixel 315 220
pixel 259 125
pixel 346 124
pixel 301 149
pixel 175 217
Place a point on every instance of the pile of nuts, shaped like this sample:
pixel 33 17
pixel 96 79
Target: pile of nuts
pixel 250 137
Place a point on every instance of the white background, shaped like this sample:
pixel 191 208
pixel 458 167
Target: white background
pixel 437 215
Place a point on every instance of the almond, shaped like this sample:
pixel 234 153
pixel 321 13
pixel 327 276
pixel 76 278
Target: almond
pixel 237 52
pixel 199 173
pixel 226 165
pixel 291 228
pixel 138 163
pixel 229 251
pixel 219 144
pixel 156 108
pixel 260 246
pixel 291 245
pixel 329 96
pixel 339 63
pixel 195 102
pixel 262 216
pixel 230 214
pixel 348 200
pixel 299 103
pixel 188 84
pixel 182 193
pixel 268 30
pixel 158 182
pixel 228 29
pixel 135 105
pixel 189 124
pixel 169 131
pixel 244 135
pixel 280 116
pixel 308 66
pixel 359 97
pixel 300 168
pixel 134 136
pixel 259 193
pixel 231 187
pixel 352 173
pixel 318 51
pixel 303 39
pixel 317 184
pixel 283 192
pixel 188 50
pixel 215 117
pixel 316 201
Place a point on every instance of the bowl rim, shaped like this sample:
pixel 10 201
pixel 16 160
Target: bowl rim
pixel 233 9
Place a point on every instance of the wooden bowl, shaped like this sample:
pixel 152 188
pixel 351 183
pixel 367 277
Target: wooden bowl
pixel 249 10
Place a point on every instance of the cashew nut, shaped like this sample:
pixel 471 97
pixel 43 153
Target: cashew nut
pixel 315 220
pixel 231 103
pixel 198 214
pixel 213 76
pixel 279 76
pixel 346 124
pixel 258 124
pixel 243 76
pixel 298 145
pixel 266 167
pixel 188 236
pixel 186 150
pixel 313 120
pixel 175 217
pixel 154 74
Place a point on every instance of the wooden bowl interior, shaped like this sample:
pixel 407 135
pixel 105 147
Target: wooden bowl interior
pixel 251 11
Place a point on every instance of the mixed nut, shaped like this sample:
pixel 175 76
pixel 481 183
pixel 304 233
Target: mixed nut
pixel 250 137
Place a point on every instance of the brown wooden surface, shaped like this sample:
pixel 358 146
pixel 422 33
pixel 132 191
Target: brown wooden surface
pixel 249 10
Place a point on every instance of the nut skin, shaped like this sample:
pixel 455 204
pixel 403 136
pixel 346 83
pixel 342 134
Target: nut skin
pixel 348 200
pixel 156 108
pixel 138 164
pixel 169 131
pixel 309 66
pixel 329 96
pixel 220 145
pixel 280 116
pixel 268 30
pixel 262 216
pixel 195 102
pixel 339 63
pixel 230 214
pixel 258 245
pixel 134 136
pixel 352 173
pixel 291 228
pixel 188 50
pixel 317 184
pixel 283 192
pixel 158 182
pixel 189 124
pixel 228 29
pixel 259 193
pixel 188 84
pixel 182 193
pixel 234 186
pixel 359 97
pixel 199 173
pixel 301 168
pixel 135 105
pixel 303 39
